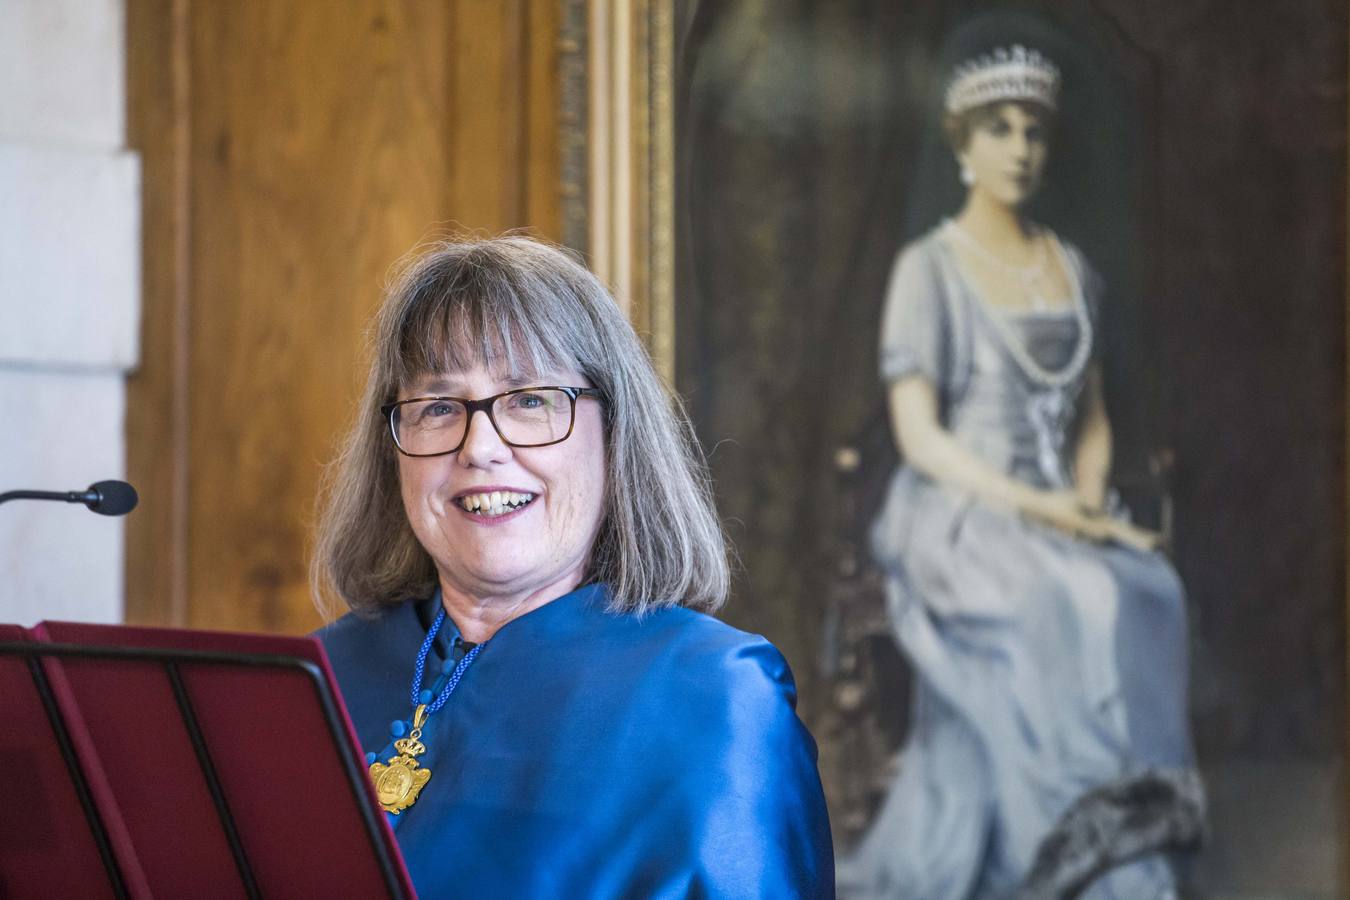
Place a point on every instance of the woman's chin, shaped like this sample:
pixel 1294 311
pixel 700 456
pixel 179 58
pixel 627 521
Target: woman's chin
pixel 1014 195
pixel 501 578
pixel 1020 195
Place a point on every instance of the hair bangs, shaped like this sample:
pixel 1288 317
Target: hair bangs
pixel 473 317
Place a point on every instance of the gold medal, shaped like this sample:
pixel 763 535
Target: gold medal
pixel 401 779
pixel 398 783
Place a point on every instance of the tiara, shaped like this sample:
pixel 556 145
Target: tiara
pixel 1009 73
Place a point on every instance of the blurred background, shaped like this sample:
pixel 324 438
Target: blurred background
pixel 200 201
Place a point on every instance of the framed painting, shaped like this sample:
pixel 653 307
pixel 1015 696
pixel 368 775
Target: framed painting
pixel 791 196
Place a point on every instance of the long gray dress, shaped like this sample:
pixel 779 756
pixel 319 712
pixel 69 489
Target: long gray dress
pixel 1051 672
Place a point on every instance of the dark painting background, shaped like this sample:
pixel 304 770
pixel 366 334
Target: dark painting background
pixel 1200 162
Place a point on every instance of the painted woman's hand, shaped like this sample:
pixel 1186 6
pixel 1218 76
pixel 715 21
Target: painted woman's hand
pixel 1141 539
pixel 1065 511
pixel 1091 496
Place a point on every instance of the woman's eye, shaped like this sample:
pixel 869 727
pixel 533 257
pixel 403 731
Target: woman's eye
pixel 529 401
pixel 437 409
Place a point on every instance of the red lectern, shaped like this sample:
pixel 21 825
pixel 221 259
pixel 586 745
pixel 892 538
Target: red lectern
pixel 144 763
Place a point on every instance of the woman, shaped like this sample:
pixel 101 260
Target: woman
pixel 1048 751
pixel 524 532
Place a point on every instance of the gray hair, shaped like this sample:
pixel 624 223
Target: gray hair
pixel 531 306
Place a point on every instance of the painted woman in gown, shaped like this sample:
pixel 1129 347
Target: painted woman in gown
pixel 1048 754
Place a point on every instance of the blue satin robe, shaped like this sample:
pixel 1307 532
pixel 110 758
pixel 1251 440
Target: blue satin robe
pixel 592 754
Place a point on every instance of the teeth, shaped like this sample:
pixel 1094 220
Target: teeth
pixel 495 503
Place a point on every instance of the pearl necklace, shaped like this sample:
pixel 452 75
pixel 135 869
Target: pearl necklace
pixel 1029 275
pixel 1010 339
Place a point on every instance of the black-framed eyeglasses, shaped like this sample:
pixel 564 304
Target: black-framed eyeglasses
pixel 524 417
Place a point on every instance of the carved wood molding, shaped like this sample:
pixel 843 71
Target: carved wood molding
pixel 618 155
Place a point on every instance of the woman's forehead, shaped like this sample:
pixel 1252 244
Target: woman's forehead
pixel 494 354
pixel 501 377
pixel 1018 111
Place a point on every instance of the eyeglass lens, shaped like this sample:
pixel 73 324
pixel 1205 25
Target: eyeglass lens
pixel 523 419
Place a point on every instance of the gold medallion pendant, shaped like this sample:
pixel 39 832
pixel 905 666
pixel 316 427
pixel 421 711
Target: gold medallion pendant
pixel 398 783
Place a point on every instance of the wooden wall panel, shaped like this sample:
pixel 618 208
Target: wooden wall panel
pixel 156 588
pixel 543 126
pixel 317 143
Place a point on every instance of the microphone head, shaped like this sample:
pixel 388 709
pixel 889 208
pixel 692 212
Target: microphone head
pixel 112 498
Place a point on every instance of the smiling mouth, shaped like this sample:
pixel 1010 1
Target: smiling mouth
pixel 496 503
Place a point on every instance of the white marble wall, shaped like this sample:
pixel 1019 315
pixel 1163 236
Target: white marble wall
pixel 69 301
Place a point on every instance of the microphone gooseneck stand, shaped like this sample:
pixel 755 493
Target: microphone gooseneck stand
pixel 107 498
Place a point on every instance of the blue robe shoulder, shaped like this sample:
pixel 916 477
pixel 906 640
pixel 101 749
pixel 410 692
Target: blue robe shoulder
pixel 593 754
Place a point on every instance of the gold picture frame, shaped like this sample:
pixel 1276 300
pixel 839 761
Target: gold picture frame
pixel 617 119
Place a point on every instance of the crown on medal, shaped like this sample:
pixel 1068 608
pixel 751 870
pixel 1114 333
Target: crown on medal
pixel 410 747
pixel 1008 73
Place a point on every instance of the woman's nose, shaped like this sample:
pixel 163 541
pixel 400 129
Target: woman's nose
pixel 482 444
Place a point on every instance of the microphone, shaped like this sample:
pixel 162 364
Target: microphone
pixel 107 498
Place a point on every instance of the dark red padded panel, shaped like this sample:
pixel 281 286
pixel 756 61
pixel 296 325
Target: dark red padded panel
pixel 275 755
pixel 131 717
pixel 282 778
pixel 47 847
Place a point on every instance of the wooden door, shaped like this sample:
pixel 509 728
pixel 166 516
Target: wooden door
pixel 292 152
